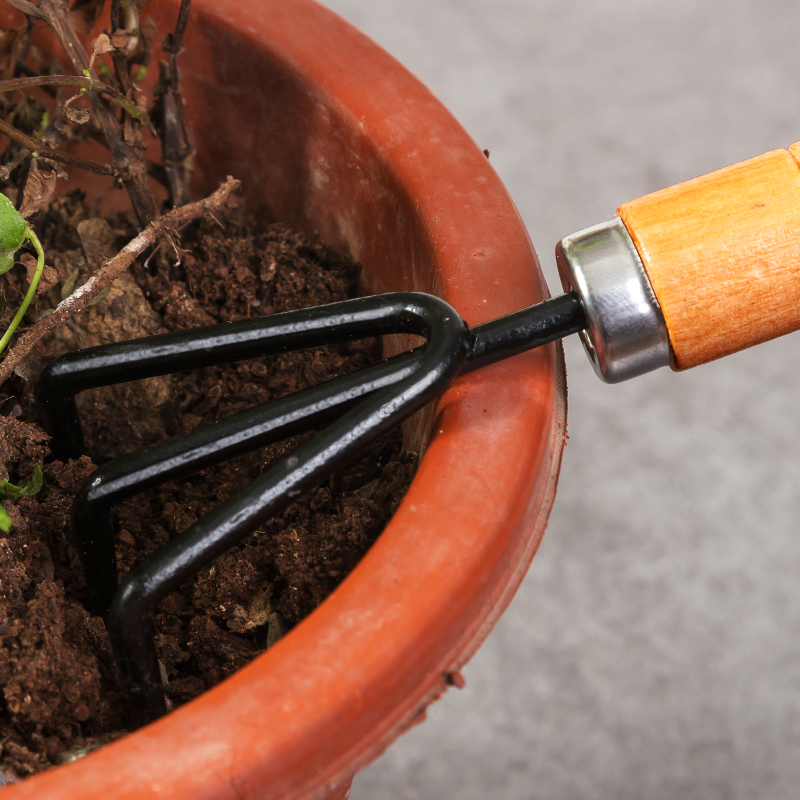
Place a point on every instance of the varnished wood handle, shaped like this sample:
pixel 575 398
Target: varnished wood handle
pixel 722 253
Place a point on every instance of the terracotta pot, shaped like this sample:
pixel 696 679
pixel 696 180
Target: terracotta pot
pixel 331 134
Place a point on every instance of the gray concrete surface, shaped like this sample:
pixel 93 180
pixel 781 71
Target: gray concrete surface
pixel 654 648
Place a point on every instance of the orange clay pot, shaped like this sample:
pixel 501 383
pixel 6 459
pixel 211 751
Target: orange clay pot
pixel 329 133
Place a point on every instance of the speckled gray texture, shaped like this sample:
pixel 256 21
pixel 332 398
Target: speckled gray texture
pixel 654 648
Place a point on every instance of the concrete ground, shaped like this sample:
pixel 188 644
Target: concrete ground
pixel 654 648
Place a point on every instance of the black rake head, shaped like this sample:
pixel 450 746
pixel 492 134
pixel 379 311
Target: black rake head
pixel 355 410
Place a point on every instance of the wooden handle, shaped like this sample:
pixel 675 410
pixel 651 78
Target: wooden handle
pixel 722 253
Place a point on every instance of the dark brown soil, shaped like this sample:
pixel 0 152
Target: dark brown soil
pixel 59 692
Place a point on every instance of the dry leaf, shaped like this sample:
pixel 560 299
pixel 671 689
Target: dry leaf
pixel 69 285
pixel 39 190
pixel 100 297
pixel 10 166
pixel 84 14
pixel 31 367
pixel 49 276
pixel 29 262
pixel 102 44
pixel 10 42
pixel 48 280
pixel 260 608
pixel 77 116
pixel 124 40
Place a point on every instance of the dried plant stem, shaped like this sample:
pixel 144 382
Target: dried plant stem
pixel 107 274
pixel 119 59
pixel 25 7
pixel 128 159
pixel 29 143
pixel 81 82
pixel 176 137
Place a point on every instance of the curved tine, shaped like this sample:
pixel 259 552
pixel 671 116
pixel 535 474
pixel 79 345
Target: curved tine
pixel 130 621
pixel 94 506
pixel 200 347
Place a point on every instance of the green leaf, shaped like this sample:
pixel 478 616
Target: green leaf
pixel 30 487
pixel 33 485
pixel 13 232
pixel 69 286
pixel 5 520
pixel 101 296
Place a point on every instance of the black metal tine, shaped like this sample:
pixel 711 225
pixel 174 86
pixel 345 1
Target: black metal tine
pixel 130 620
pixel 94 506
pixel 526 329
pixel 199 347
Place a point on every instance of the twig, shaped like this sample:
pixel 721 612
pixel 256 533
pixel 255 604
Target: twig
pixel 16 46
pixel 180 26
pixel 29 143
pixel 119 58
pixel 7 169
pixel 30 72
pixel 174 151
pixel 107 274
pixel 154 170
pixel 127 157
pixel 81 82
pixel 176 138
pixel 26 8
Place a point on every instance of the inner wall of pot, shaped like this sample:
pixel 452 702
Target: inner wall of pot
pixel 303 160
pixel 306 162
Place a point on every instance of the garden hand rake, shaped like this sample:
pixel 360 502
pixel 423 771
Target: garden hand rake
pixel 368 403
pixel 679 277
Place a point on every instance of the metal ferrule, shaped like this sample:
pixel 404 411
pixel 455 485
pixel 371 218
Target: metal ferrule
pixel 626 334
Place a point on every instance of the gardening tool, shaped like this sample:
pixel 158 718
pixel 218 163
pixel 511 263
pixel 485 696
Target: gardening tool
pixel 679 277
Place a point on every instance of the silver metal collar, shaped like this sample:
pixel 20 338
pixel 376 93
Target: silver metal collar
pixel 627 335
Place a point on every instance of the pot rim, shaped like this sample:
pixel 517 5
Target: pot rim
pixel 342 685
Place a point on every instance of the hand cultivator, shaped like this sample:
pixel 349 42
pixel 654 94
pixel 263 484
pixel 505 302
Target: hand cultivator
pixel 679 277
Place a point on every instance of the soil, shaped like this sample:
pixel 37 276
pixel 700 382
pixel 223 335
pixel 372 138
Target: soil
pixel 59 692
